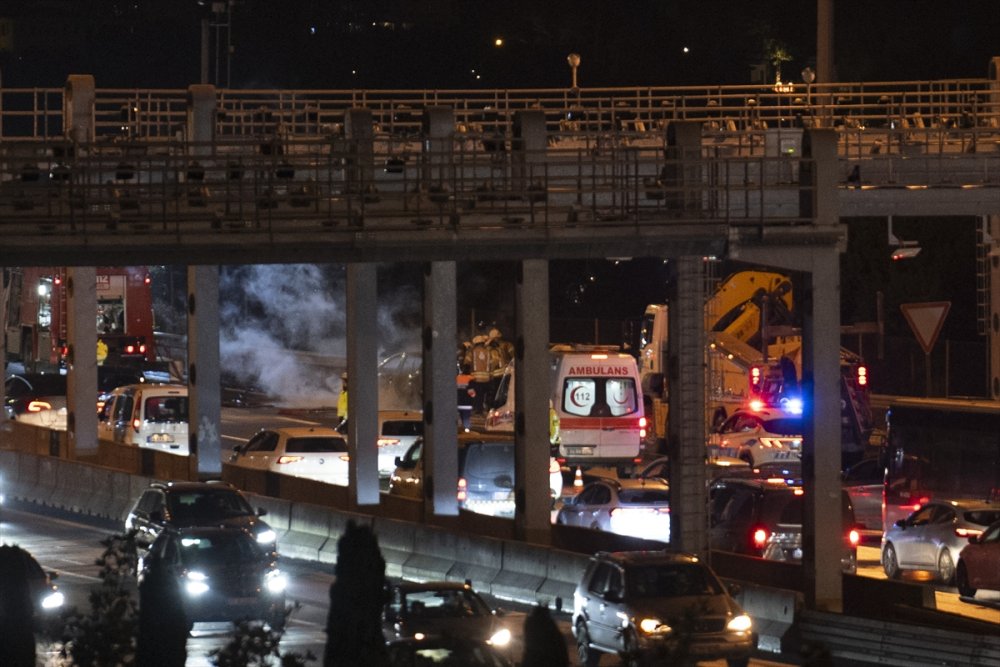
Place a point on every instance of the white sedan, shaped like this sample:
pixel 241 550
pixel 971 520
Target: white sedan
pixel 636 507
pixel 314 452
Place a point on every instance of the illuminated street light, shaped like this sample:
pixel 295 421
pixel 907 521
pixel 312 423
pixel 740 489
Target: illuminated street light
pixel 574 61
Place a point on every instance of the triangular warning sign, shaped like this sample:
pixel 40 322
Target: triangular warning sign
pixel 925 320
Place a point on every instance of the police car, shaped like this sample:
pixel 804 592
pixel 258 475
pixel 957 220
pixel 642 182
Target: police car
pixel 759 433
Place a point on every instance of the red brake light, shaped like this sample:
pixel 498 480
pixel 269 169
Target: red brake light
pixel 755 376
pixel 854 537
pixel 136 424
pixel 760 538
pixel 462 493
pixel 130 349
pixel 757 405
pixel 288 459
pixel 147 280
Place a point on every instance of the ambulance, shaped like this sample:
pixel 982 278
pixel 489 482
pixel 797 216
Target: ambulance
pixel 596 409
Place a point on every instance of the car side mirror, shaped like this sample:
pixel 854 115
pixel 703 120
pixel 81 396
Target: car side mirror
pixel 53 575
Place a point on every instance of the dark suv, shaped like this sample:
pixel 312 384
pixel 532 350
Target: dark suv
pixel 195 504
pixel 763 517
pixel 657 605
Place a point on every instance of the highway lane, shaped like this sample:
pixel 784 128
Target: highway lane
pixel 71 548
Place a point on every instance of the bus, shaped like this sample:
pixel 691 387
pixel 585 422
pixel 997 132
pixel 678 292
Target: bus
pixel 35 316
pixel 939 448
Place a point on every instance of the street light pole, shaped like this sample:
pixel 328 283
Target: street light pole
pixel 574 61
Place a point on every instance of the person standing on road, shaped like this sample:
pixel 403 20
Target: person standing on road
pixel 342 399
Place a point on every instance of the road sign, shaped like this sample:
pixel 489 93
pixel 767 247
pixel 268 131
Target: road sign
pixel 925 320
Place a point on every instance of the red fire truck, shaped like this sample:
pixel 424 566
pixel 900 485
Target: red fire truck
pixel 36 305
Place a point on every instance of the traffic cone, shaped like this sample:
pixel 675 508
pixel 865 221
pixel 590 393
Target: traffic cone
pixel 578 478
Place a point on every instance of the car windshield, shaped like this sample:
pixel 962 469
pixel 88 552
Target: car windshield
pixel 449 603
pixel 221 548
pixel 784 426
pixel 782 507
pixel 316 445
pixel 207 505
pixel 670 580
pixel 403 427
pixel 167 409
pixel 983 517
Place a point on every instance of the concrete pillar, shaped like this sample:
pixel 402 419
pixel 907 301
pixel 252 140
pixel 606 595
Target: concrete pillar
pixel 81 379
pixel 682 166
pixel 362 377
pixel 78 108
pixel 360 135
pixel 440 398
pixel 204 381
pixel 4 307
pixel 686 425
pixel 819 177
pixel 439 131
pixel 992 223
pixel 528 148
pixel 532 521
pixel 201 115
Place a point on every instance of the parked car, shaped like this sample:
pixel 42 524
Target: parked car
pixel 762 517
pixel 636 507
pixel 863 482
pixel 36 398
pixel 486 480
pixel 223 573
pixel 313 452
pixel 444 650
pixel 438 607
pixel 979 563
pixel 933 537
pixel 640 604
pixel 153 416
pixel 183 504
pixel 397 431
pixel 757 436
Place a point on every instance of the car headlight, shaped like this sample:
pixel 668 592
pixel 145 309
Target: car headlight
pixel 501 637
pixel 652 626
pixel 741 623
pixel 275 581
pixel 196 583
pixel 267 536
pixel 53 600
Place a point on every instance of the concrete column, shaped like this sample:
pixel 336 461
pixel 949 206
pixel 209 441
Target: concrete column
pixel 822 529
pixel 992 223
pixel 532 521
pixel 439 132
pixel 78 108
pixel 201 119
pixel 440 398
pixel 819 178
pixel 360 135
pixel 686 425
pixel 362 377
pixel 682 165
pixel 204 382
pixel 528 149
pixel 81 379
pixel 4 307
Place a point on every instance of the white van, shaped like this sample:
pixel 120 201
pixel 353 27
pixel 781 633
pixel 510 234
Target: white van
pixel 147 415
pixel 596 411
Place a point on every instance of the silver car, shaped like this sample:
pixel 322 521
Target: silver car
pixel 636 507
pixel 932 537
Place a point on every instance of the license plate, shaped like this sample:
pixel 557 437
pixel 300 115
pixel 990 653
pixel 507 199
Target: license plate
pixel 580 451
pixel 160 438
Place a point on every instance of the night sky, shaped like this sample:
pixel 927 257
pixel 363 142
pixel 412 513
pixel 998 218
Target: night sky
pixel 450 43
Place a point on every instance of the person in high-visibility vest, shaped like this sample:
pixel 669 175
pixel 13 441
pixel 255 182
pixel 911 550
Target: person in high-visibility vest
pixel 342 399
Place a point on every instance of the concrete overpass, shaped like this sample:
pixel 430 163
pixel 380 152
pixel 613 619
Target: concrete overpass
pixel 204 176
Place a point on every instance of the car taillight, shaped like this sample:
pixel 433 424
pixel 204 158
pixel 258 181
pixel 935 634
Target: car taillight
pixel 968 532
pixel 862 376
pixel 130 349
pixel 759 537
pixel 755 377
pixel 853 537
pixel 757 405
pixel 289 459
pixel 39 406
pixel 642 427
pixel 385 442
pixel 136 424
pixel 462 490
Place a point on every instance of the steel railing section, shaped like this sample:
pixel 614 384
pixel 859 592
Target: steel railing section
pixel 310 185
pixel 921 108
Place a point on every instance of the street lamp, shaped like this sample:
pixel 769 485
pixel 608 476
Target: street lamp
pixel 574 61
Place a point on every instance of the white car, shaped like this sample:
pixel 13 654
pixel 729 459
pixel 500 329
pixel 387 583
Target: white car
pixel 760 436
pixel 397 431
pixel 313 452
pixel 154 416
pixel 635 507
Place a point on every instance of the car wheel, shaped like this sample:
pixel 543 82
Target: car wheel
pixel 962 581
pixel 587 656
pixel 889 562
pixel 946 568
